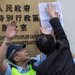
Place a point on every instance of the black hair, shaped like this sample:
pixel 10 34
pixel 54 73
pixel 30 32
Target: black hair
pixel 45 43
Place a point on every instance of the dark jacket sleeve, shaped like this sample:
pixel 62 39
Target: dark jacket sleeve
pixel 58 31
pixel 60 61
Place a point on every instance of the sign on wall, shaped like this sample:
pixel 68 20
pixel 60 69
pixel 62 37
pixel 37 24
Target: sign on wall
pixel 25 13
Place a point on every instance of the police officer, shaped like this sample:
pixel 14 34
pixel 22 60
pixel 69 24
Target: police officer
pixel 17 54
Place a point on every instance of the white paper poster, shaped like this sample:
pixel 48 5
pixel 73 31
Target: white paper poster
pixel 45 17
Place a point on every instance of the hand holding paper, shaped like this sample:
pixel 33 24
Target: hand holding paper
pixel 48 11
pixel 45 30
pixel 51 11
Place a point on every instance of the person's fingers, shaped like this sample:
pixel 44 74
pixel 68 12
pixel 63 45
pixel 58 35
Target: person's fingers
pixel 47 5
pixel 12 26
pixel 47 8
pixel 51 5
pixel 57 14
pixel 8 26
pixel 16 30
pixel 42 28
pixel 13 23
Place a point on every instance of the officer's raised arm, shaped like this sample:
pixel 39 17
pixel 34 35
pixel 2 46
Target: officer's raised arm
pixel 10 34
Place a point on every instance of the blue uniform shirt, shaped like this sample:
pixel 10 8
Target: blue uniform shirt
pixel 21 70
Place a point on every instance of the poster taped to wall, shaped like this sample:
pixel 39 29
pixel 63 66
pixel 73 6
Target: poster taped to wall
pixel 45 17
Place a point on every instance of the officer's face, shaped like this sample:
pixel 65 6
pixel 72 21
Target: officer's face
pixel 22 55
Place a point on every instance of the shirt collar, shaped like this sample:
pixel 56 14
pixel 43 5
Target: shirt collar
pixel 21 70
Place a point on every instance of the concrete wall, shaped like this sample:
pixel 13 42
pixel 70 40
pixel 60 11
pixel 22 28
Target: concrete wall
pixel 68 7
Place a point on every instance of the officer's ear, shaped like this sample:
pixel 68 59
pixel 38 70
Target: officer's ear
pixel 16 57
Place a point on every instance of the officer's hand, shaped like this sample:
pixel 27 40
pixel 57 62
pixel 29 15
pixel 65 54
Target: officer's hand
pixel 11 30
